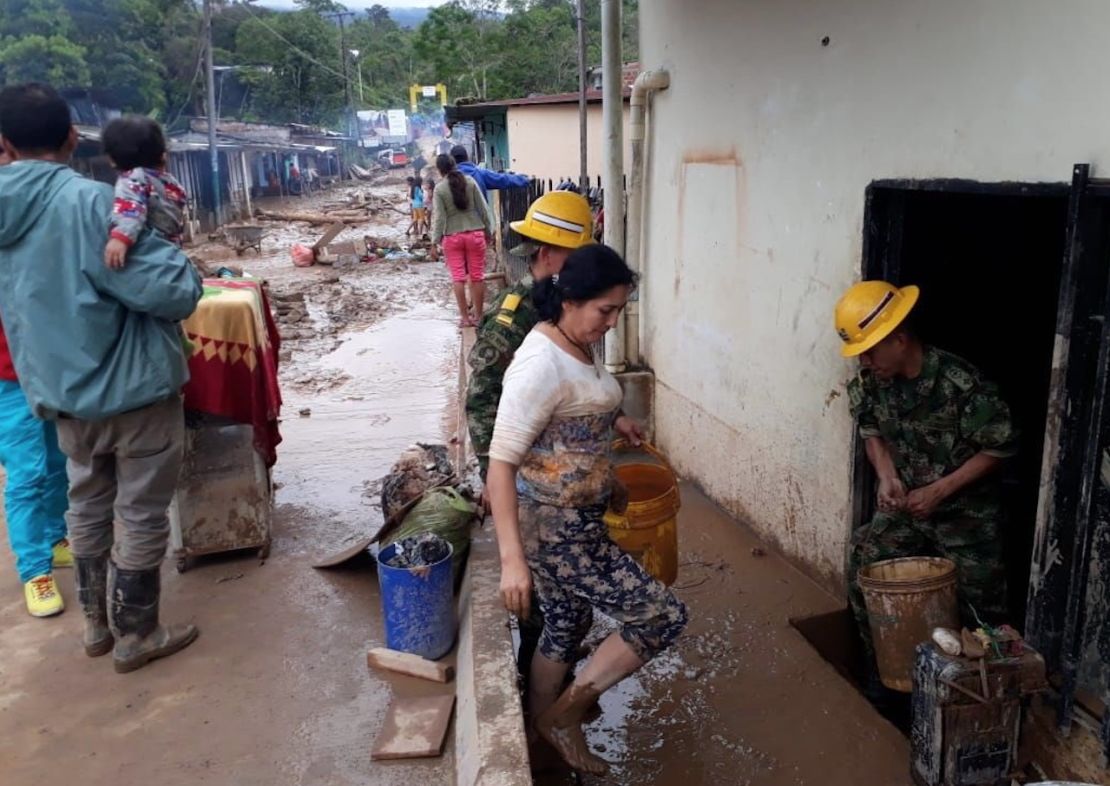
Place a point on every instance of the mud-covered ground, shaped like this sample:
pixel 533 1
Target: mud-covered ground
pixel 276 690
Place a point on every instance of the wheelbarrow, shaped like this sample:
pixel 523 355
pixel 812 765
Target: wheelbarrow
pixel 244 236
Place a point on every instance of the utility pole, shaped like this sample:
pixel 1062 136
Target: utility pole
pixel 343 57
pixel 612 112
pixel 213 151
pixel 583 170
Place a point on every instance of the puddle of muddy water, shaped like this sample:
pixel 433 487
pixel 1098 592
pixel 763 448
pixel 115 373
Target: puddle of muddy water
pixel 398 378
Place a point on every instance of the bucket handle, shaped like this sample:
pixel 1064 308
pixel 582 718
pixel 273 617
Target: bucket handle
pixel 621 445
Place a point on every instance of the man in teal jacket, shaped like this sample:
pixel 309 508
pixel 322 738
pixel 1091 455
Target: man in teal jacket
pixel 98 351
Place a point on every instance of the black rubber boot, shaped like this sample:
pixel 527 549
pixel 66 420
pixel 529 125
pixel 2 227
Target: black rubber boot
pixel 134 620
pixel 91 574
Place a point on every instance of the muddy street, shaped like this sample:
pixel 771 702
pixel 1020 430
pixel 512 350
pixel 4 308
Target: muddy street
pixel 276 690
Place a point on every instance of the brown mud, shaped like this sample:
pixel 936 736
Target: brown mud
pixel 276 691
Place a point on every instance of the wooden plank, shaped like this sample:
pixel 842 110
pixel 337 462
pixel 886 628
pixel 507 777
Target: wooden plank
pixel 414 728
pixel 359 549
pixel 329 235
pixel 407 663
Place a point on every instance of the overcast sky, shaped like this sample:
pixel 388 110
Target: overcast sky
pixel 358 5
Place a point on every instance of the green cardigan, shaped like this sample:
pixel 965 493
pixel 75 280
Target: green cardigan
pixel 449 220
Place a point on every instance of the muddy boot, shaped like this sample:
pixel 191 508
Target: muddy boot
pixel 91 574
pixel 561 726
pixel 134 619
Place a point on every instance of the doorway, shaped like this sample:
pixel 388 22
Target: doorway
pixel 988 259
pixel 1016 278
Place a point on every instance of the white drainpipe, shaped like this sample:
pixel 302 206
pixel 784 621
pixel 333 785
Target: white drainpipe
pixel 612 117
pixel 646 83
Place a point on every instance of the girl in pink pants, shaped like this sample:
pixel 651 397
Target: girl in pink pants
pixel 463 225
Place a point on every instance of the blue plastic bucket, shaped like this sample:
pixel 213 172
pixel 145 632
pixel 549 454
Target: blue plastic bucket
pixel 418 606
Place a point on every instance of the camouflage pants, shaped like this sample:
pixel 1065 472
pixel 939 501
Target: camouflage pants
pixel 971 542
pixel 576 569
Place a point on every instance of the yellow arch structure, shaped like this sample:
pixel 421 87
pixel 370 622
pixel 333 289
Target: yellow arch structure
pixel 416 92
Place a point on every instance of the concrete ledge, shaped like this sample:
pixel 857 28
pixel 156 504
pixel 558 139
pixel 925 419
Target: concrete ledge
pixel 490 744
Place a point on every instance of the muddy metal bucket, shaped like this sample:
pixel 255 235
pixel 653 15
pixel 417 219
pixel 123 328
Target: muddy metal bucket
pixel 906 598
pixel 418 605
pixel 648 529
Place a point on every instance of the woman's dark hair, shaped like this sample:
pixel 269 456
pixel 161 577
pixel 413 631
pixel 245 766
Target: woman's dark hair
pixel 588 273
pixel 134 141
pixel 455 179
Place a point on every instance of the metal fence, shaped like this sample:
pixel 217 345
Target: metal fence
pixel 514 204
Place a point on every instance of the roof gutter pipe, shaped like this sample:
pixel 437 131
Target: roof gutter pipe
pixel 646 83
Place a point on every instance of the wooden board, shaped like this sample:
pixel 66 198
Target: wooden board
pixel 412 665
pixel 357 550
pixel 414 728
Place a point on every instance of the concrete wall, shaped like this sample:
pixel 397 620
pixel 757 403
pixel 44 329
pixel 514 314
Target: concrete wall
pixel 759 157
pixel 543 140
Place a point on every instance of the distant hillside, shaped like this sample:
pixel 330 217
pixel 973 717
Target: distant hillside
pixel 409 17
pixel 405 17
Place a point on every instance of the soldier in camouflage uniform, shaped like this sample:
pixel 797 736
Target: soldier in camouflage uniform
pixel 556 224
pixel 935 431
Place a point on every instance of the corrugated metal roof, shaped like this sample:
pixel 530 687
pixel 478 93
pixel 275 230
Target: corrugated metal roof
pixel 592 96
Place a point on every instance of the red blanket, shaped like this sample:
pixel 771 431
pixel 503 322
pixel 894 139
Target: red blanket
pixel 233 366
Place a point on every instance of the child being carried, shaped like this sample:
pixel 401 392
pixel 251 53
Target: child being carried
pixel 146 194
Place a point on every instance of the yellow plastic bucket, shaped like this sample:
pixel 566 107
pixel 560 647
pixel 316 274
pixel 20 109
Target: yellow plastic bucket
pixel 648 529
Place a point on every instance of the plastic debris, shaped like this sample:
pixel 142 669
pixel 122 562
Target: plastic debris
pixel 419 551
pixel 948 640
pixel 303 256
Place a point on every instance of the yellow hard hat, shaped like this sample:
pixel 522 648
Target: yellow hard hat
pixel 559 218
pixel 869 312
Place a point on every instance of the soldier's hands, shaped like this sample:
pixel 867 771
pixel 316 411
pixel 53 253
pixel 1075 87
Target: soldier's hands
pixel 922 503
pixel 516 587
pixel 630 430
pixel 892 495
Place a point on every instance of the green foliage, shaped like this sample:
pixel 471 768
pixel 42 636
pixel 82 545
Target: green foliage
pixel 35 58
pixel 304 83
pixel 289 66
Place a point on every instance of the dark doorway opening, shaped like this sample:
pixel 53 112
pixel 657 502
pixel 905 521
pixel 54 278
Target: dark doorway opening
pixel 988 259
pixel 988 263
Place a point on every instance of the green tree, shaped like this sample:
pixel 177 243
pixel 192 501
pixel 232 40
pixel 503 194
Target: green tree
pixel 46 18
pixel 385 58
pixel 35 44
pixel 35 58
pixel 459 44
pixel 544 54
pixel 304 83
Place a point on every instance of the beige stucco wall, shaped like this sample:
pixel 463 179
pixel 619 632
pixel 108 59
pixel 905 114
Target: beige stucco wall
pixel 760 153
pixel 543 140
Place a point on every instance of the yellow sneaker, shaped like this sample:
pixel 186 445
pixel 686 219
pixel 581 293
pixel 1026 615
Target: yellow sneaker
pixel 63 557
pixel 43 598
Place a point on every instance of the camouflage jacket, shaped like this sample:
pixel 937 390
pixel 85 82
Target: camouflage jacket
pixel 501 331
pixel 933 424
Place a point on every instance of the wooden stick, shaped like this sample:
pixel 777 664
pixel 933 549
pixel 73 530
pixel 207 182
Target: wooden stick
pixel 412 665
pixel 964 690
pixel 983 677
pixel 310 218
